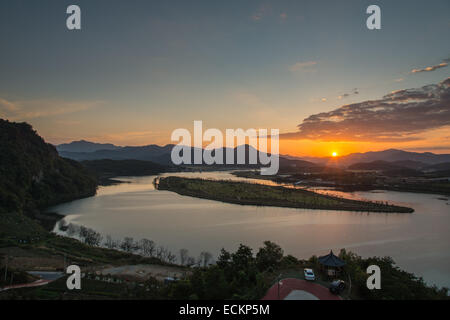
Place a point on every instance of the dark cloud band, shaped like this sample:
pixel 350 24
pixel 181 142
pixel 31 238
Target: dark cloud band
pixel 395 117
pixel 432 68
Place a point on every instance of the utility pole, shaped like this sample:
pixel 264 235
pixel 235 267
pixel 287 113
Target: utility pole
pixel 278 283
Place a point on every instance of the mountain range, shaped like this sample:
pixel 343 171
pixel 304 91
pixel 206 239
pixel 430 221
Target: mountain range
pixel 393 155
pixel 85 150
pixel 86 146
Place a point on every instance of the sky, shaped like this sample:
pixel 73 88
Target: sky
pixel 137 70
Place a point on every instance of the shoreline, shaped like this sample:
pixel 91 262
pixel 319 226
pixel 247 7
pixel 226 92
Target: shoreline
pixel 342 187
pixel 244 193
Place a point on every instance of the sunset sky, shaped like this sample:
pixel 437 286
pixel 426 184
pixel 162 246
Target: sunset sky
pixel 140 69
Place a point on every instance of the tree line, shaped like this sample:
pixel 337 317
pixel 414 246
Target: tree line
pixel 144 247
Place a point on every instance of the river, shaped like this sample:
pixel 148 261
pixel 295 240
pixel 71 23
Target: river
pixel 418 242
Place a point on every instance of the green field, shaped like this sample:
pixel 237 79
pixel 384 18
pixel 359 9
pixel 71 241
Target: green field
pixel 256 194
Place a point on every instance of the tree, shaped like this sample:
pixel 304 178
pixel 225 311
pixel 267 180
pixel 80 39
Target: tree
pixel 161 253
pixel 205 258
pixel 225 263
pixel 190 261
pixel 171 258
pixel 92 237
pixel 180 290
pixel 242 271
pixel 147 247
pixel 289 261
pixel 184 254
pixel 110 243
pixel 242 259
pixel 269 256
pixel 215 285
pixel 83 231
pixel 136 247
pixel 224 258
pixel 127 244
pixel 72 229
pixel 197 283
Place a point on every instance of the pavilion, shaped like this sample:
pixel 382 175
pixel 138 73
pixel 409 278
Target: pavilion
pixel 331 263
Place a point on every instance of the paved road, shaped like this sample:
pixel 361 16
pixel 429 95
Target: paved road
pixel 36 283
pixel 300 289
pixel 45 278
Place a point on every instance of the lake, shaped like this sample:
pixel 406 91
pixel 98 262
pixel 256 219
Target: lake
pixel 418 242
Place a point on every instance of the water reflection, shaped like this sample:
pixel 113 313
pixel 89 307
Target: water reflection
pixel 419 242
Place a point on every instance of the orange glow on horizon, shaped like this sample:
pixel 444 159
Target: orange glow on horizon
pixel 435 141
pixel 421 142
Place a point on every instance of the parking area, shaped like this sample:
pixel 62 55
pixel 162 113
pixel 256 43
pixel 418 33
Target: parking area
pixel 297 289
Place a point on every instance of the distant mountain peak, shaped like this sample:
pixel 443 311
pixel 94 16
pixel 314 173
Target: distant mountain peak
pixel 85 146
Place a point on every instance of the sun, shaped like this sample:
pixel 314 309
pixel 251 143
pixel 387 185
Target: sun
pixel 334 154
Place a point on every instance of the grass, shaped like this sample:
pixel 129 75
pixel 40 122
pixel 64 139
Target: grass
pixel 48 252
pixel 57 290
pixel 255 194
pixel 85 254
pixel 16 227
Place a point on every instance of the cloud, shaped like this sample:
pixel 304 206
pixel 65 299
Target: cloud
pixel 248 99
pixel 125 136
pixel 7 106
pixel 345 95
pixel 299 66
pixel 432 68
pixel 262 12
pixel 266 11
pixel 31 109
pixel 398 116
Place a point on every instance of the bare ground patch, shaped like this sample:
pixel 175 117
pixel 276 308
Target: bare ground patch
pixel 143 272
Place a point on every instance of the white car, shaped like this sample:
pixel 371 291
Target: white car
pixel 309 274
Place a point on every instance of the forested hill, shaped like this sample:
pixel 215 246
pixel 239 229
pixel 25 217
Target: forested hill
pixel 33 176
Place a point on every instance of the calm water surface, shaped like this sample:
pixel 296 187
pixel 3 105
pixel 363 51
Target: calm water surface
pixel 418 242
